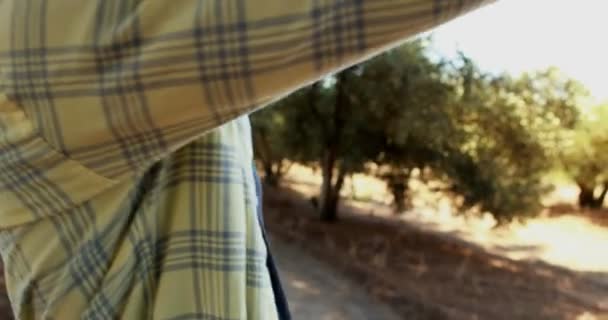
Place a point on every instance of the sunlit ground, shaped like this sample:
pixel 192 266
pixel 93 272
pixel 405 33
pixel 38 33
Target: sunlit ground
pixel 570 241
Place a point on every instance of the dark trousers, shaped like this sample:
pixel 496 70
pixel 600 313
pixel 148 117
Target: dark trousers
pixel 279 294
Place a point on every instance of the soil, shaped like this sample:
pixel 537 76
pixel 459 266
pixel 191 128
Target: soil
pixel 315 290
pixel 424 274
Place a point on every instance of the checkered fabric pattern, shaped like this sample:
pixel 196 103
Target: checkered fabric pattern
pixel 126 187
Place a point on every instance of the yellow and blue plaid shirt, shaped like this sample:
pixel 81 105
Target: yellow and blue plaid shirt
pixel 126 185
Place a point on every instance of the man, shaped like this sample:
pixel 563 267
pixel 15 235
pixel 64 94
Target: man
pixel 126 184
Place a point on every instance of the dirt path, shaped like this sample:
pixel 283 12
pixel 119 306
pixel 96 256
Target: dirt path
pixel 424 274
pixel 316 291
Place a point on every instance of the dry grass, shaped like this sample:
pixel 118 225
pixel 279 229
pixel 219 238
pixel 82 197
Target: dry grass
pixel 429 258
pixel 561 235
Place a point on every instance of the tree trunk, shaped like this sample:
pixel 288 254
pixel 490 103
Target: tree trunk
pixel 399 196
pixel 398 185
pixel 330 189
pixel 329 207
pixel 328 204
pixel 271 177
pixel 602 197
pixel 587 198
pixel 265 155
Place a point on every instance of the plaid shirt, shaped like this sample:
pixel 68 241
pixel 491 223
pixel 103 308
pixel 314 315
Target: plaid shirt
pixel 126 186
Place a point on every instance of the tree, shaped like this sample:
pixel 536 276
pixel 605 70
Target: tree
pixel 490 138
pixel 315 129
pixel 370 113
pixel 585 157
pixel 405 100
pixel 271 149
pixel 322 120
pixel 513 127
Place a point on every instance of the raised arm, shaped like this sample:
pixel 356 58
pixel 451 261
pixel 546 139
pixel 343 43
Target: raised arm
pixel 114 85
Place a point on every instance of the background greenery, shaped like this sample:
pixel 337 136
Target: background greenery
pixel 492 139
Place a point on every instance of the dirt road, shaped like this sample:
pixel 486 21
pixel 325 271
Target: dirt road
pixel 429 274
pixel 316 291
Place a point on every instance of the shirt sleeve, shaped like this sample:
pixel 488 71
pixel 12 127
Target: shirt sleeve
pixel 111 86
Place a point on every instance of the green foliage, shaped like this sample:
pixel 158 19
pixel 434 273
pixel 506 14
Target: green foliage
pixel 585 156
pixel 271 149
pixel 512 129
pixel 491 138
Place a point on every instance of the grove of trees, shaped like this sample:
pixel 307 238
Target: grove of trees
pixel 585 157
pixel 491 138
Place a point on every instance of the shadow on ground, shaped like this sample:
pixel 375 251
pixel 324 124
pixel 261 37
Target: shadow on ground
pixel 435 275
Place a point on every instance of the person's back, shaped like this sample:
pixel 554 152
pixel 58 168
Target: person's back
pixel 126 181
